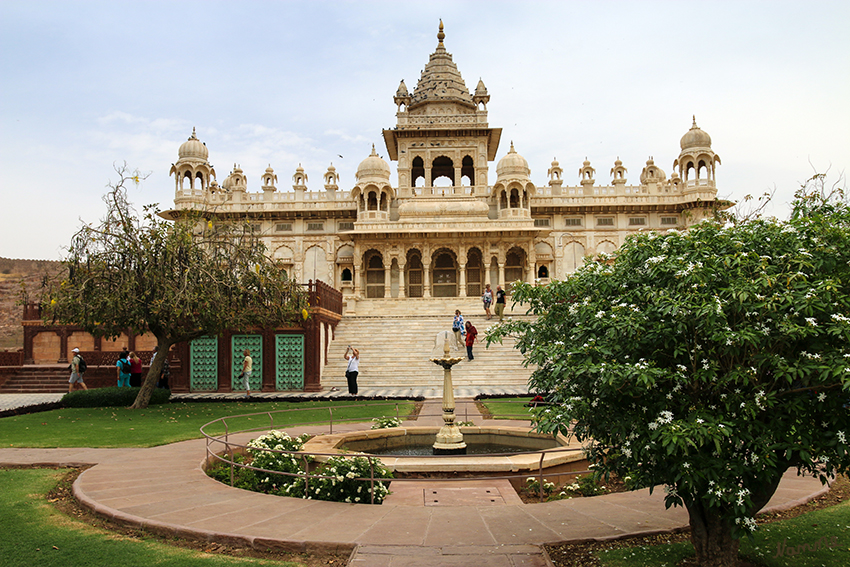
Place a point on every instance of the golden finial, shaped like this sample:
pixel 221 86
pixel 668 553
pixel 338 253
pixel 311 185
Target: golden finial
pixel 441 36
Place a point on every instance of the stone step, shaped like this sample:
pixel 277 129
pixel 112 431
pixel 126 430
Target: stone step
pixel 396 349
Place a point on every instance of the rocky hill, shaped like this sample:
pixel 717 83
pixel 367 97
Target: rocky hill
pixel 17 276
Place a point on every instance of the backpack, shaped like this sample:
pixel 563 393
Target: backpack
pixel 82 366
pixel 125 365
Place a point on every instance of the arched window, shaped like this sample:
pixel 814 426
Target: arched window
pixel 542 272
pixel 375 275
pixel 474 273
pixel 417 172
pixel 372 203
pixel 514 261
pixel 514 199
pixel 444 275
pixel 442 167
pixel 467 169
pixel 346 275
pixel 413 277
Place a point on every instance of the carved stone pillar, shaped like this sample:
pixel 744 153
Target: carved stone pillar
pixel 426 280
pixel 358 280
pixel 462 280
pixel 401 292
pixel 388 284
pixel 502 274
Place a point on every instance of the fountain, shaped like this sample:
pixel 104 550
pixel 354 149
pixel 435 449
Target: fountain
pixel 464 450
pixel 449 438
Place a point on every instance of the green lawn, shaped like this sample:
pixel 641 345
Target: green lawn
pixel 830 526
pixel 167 423
pixel 33 533
pixel 508 408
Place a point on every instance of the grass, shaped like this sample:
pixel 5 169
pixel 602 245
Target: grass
pixel 830 525
pixel 506 408
pixel 32 533
pixel 168 423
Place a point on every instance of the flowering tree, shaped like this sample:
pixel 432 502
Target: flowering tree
pixel 178 281
pixel 709 361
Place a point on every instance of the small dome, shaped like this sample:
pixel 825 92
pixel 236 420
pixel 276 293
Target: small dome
pixel 402 89
pixel 695 138
pixel 555 163
pixel 373 167
pixel 512 165
pixel 193 148
pixel 269 169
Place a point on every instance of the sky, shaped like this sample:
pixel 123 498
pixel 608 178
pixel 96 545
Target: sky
pixel 85 85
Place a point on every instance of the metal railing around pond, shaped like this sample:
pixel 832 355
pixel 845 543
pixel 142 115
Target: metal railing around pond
pixel 230 447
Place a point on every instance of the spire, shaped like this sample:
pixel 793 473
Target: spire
pixel 440 35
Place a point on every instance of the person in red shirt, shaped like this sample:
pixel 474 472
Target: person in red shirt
pixel 471 337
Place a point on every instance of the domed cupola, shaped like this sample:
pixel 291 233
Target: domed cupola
pixel 695 138
pixel 513 189
pixel 697 162
pixel 192 172
pixel 373 168
pixel 373 191
pixel 193 148
pixel 512 167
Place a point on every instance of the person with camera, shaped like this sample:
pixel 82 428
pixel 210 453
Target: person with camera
pixel 352 355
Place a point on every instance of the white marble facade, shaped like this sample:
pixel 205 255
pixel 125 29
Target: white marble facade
pixel 443 230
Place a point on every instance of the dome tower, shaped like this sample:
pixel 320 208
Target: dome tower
pixel 192 172
pixel 697 162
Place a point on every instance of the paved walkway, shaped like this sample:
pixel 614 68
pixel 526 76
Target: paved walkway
pixel 164 489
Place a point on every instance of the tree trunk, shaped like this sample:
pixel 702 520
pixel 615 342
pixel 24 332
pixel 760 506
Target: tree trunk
pixel 144 397
pixel 711 537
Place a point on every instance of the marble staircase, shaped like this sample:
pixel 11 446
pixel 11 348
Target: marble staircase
pixel 396 340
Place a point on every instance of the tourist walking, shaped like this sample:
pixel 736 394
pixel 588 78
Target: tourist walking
pixel 247 370
pixel 458 329
pixel 135 371
pixel 122 370
pixel 78 367
pixel 471 337
pixel 353 369
pixel 487 298
pixel 500 303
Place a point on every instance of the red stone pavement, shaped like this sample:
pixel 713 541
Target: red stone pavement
pixel 164 489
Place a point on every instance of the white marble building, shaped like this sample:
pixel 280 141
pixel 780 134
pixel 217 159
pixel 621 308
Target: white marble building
pixel 445 227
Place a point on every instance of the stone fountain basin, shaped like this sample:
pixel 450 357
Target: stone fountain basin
pixel 373 441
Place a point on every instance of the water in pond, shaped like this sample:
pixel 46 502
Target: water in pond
pixel 473 449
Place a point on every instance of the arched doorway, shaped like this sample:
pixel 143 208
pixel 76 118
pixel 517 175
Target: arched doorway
pixel 444 274
pixel 474 273
pixel 514 266
pixel 374 275
pixel 413 274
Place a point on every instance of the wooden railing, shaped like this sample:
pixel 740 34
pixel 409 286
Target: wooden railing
pixel 322 295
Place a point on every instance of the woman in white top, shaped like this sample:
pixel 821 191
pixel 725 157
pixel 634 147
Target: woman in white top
pixel 353 369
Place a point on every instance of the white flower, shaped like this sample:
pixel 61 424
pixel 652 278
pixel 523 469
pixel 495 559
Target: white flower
pixel 700 420
pixel 821 397
pixel 812 321
pixel 600 314
pixel 841 437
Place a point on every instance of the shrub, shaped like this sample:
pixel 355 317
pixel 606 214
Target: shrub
pixel 264 452
pixel 111 397
pixel 532 486
pixel 242 477
pixel 340 483
pixel 385 422
pixel 586 486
